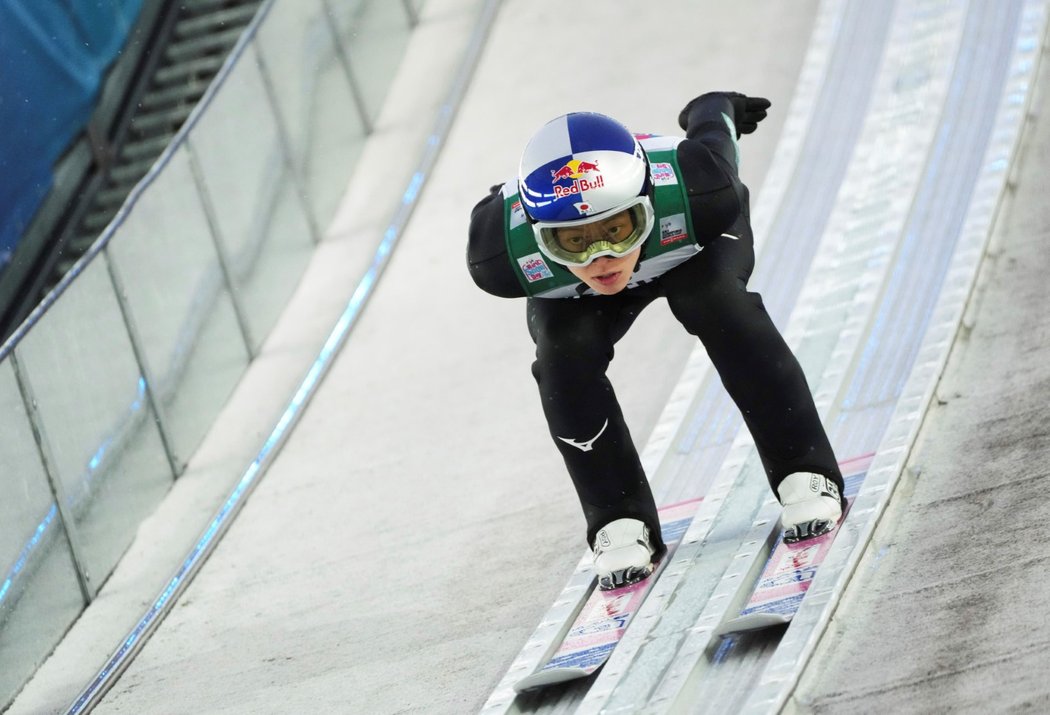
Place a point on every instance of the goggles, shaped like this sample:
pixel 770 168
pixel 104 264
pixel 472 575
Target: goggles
pixel 578 243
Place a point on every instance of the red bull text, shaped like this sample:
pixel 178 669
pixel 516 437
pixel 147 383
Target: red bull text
pixel 578 186
pixel 577 170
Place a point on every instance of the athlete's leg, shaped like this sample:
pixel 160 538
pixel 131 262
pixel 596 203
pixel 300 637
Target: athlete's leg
pixel 574 346
pixel 709 295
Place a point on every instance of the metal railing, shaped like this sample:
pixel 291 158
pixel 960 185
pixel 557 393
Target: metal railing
pixel 115 378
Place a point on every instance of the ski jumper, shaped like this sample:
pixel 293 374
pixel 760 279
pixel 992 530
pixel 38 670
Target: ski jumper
pixel 698 258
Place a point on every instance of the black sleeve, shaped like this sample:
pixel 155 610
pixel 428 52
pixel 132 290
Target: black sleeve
pixel 717 197
pixel 704 122
pixel 487 258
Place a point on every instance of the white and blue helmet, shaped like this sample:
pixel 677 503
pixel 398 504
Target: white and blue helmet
pixel 579 170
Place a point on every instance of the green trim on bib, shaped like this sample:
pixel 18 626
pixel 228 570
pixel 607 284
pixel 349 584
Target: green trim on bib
pixel 674 223
pixel 535 272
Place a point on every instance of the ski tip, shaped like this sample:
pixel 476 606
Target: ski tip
pixel 752 622
pixel 550 676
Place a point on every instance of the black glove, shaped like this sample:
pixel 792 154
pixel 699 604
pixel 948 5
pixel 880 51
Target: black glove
pixel 747 111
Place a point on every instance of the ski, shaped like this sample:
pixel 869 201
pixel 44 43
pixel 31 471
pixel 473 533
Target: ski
pixel 605 615
pixel 790 569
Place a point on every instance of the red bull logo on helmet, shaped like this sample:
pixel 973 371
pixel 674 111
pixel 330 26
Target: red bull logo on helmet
pixel 577 170
pixel 578 186
pixel 574 169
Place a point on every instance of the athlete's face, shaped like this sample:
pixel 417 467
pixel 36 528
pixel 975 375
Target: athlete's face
pixel 608 275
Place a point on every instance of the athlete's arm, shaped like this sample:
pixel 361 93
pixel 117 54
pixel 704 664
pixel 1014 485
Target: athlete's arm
pixel 487 258
pixel 704 122
pixel 708 159
pixel 718 119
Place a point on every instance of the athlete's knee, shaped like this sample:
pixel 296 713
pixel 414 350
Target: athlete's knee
pixel 572 349
pixel 717 308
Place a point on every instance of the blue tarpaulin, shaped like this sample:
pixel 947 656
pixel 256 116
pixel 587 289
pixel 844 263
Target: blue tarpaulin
pixel 53 57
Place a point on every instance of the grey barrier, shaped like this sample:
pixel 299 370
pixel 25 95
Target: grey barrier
pixel 113 381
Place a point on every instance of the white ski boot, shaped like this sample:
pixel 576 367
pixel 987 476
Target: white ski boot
pixel 812 506
pixel 623 553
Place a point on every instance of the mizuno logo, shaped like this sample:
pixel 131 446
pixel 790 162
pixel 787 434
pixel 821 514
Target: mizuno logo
pixel 729 235
pixel 589 444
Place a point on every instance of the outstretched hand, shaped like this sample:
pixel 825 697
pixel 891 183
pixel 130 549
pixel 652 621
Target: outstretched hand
pixel 747 111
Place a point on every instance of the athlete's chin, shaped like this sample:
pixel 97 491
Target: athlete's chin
pixel 607 290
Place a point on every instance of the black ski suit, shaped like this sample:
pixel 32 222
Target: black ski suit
pixel 707 293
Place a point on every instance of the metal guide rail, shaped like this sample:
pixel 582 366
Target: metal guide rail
pixel 132 644
pixel 874 217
